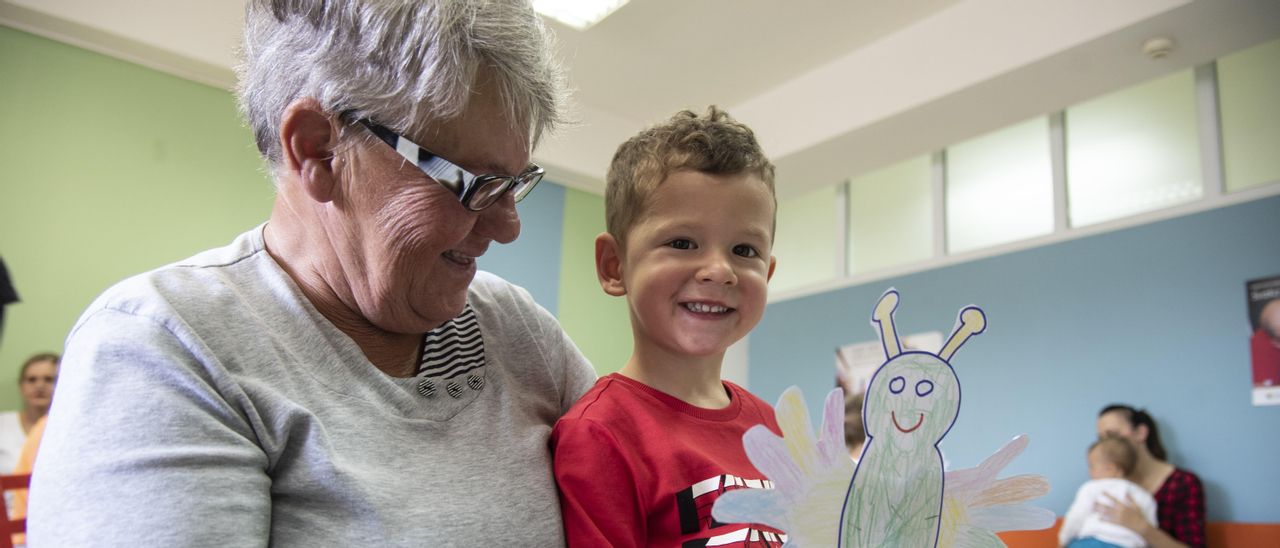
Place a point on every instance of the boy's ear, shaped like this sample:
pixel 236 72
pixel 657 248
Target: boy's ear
pixel 307 139
pixel 609 265
pixel 773 263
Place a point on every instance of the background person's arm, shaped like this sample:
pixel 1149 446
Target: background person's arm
pixel 1127 514
pixel 143 448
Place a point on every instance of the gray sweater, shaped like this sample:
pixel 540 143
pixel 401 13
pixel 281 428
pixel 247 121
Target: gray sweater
pixel 207 403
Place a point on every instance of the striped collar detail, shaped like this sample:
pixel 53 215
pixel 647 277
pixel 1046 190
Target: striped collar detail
pixel 452 357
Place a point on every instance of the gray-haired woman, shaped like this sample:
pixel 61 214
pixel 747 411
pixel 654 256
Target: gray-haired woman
pixel 340 375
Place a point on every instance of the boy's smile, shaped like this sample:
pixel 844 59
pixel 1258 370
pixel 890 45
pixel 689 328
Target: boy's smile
pixel 696 263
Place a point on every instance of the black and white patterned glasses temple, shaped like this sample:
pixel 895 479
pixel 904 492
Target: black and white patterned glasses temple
pixel 476 192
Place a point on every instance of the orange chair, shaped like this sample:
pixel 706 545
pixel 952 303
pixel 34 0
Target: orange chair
pixel 1043 538
pixel 9 527
pixel 1221 534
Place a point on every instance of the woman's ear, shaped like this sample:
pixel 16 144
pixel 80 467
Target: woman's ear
pixel 609 265
pixel 1141 432
pixel 308 139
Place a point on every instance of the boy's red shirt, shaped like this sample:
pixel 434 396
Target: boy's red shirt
pixel 637 467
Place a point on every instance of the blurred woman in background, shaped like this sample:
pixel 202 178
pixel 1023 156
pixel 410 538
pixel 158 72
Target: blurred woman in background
pixel 1179 495
pixel 36 380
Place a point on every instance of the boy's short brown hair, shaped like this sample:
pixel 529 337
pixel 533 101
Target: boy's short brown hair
pixel 1117 451
pixel 714 143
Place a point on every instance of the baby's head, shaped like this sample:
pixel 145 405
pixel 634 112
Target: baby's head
pixel 1111 457
pixel 690 213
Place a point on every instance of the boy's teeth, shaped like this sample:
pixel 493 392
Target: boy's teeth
pixel 705 308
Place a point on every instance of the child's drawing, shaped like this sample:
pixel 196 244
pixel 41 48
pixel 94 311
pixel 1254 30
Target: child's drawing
pixel 899 494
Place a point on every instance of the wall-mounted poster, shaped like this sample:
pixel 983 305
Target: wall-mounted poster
pixel 1264 340
pixel 857 362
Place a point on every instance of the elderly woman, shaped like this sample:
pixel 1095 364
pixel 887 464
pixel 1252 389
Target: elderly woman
pixel 341 375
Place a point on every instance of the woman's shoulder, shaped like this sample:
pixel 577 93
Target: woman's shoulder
pixel 1181 484
pixel 11 427
pixel 10 420
pixel 492 292
pixel 1181 476
pixel 192 286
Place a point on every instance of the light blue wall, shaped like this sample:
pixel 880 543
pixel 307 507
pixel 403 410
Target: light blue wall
pixel 533 260
pixel 1153 315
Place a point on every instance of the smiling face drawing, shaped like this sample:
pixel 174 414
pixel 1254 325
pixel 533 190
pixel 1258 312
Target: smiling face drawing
pixel 895 497
pixel 912 400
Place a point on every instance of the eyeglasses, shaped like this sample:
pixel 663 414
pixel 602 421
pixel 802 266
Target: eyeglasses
pixel 476 192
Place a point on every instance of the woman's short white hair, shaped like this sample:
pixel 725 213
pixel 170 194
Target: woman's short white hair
pixel 400 62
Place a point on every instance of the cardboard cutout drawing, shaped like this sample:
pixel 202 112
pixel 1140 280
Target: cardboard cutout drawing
pixel 899 494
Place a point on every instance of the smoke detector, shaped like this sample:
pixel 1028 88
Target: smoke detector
pixel 1158 47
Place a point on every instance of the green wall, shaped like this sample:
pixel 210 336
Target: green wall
pixel 109 169
pixel 1248 84
pixel 597 322
pixel 802 243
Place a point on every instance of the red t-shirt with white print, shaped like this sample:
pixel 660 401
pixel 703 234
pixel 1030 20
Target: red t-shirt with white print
pixel 637 467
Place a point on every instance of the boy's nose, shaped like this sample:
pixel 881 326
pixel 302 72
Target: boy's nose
pixel 717 271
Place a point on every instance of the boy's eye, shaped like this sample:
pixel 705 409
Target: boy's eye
pixel 681 243
pixel 744 250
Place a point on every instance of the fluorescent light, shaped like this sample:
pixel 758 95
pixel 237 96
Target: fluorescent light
pixel 579 14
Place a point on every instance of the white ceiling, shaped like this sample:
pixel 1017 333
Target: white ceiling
pixel 833 88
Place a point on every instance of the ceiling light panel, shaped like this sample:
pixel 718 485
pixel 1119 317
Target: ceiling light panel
pixel 579 14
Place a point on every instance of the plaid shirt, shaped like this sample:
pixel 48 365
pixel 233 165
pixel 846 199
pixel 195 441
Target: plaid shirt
pixel 1180 507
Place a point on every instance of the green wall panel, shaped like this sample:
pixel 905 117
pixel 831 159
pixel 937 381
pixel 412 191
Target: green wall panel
pixel 805 242
pixel 1133 150
pixel 891 216
pixel 598 323
pixel 1249 98
pixel 110 169
pixel 1000 187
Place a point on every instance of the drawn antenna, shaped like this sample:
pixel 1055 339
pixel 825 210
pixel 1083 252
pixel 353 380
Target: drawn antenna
pixel 972 322
pixel 883 317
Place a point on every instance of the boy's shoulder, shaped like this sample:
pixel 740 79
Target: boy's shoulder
pixel 612 409
pixel 601 402
pixel 623 403
pixel 620 403
pixel 753 404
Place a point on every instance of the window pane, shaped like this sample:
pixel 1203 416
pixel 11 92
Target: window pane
pixel 1000 187
pixel 1249 99
pixel 805 244
pixel 891 216
pixel 1133 151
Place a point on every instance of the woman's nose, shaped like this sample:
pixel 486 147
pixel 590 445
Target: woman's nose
pixel 499 222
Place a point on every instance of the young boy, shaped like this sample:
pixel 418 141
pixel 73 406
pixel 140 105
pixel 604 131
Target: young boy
pixel 641 458
pixel 1110 460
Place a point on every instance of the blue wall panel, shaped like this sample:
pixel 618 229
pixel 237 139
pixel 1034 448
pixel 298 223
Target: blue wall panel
pixel 533 260
pixel 1152 315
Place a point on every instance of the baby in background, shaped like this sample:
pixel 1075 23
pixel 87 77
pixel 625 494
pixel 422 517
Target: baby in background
pixel 1111 459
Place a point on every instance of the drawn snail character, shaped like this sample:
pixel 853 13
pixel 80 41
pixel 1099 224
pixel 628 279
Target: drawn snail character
pixel 896 495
